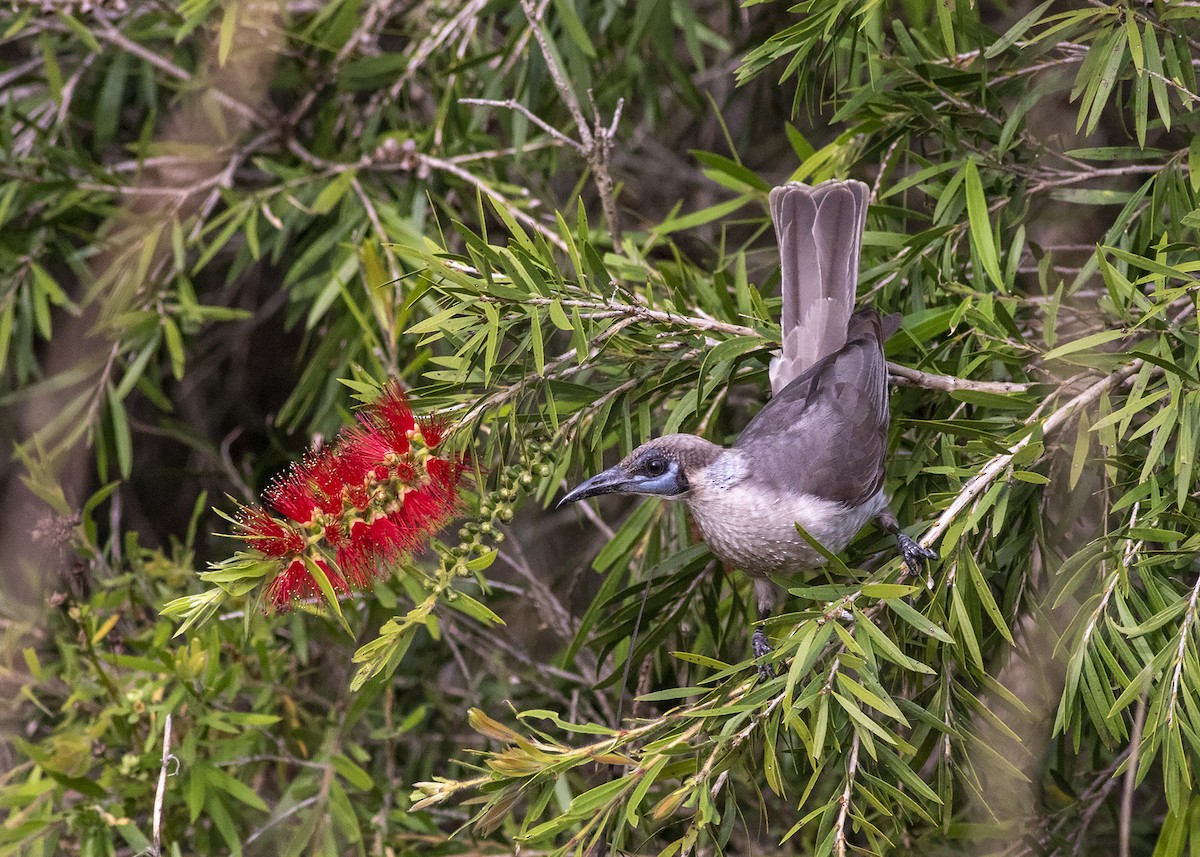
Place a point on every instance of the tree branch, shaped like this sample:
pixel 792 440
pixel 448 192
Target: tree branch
pixel 839 842
pixel 1000 463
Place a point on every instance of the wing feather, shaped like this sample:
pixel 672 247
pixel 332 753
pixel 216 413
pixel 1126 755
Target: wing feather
pixel 825 434
pixel 819 230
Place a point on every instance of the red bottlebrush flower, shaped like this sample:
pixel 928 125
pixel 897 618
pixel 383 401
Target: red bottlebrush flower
pixel 359 496
pixel 445 473
pixel 393 418
pixel 364 447
pixel 296 583
pixel 268 534
pixel 371 546
pixel 290 495
pixel 335 496
pixel 326 475
pixel 427 509
pixel 335 534
pixel 433 430
pixel 358 565
pixel 405 472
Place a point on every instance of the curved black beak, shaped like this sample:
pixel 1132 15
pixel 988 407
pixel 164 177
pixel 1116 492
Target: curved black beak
pixel 611 481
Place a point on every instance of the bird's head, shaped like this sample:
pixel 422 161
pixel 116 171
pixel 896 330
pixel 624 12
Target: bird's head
pixel 662 467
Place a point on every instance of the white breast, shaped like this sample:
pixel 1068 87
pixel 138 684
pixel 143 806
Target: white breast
pixel 755 531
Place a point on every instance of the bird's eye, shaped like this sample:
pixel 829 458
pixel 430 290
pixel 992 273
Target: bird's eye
pixel 656 467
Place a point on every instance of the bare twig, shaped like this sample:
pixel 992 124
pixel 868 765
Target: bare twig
pixel 1000 463
pixel 283 816
pixel 906 376
pixel 518 107
pixel 839 842
pixel 109 33
pixel 565 92
pixel 438 37
pixel 1125 820
pixel 595 141
pixel 490 192
pixel 167 758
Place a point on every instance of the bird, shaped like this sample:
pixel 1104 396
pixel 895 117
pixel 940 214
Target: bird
pixel 814 454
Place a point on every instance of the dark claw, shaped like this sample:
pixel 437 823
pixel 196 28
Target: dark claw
pixel 761 646
pixel 914 555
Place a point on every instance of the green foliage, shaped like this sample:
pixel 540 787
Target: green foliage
pixel 216 221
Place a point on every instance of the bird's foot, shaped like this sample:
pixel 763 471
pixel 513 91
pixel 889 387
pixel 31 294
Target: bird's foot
pixel 761 646
pixel 914 555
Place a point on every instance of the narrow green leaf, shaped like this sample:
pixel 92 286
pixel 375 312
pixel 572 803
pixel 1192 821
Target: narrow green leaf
pixel 1083 343
pixel 1017 30
pixel 729 173
pixel 574 28
pixel 332 193
pixel 1108 79
pixel 121 435
pixel 227 32
pixel 703 216
pixel 1154 67
pixel 322 579
pixel 981 227
pixel 174 342
pixel 922 623
pixel 464 603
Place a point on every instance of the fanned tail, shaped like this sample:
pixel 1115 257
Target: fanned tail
pixel 819 230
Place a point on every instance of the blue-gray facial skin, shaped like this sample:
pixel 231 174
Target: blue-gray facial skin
pixel 652 474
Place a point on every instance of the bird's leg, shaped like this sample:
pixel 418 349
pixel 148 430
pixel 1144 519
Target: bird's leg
pixel 914 555
pixel 767 598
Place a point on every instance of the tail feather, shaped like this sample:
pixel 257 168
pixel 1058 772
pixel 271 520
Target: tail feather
pixel 819 230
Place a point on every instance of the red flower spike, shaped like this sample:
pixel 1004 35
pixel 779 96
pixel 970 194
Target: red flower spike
pixel 408 539
pixel 358 566
pixel 393 418
pixel 371 461
pixel 371 545
pixel 364 447
pixel 433 430
pixel 427 509
pixel 389 539
pixel 295 583
pixel 334 534
pixel 325 477
pixel 445 473
pixel 290 495
pixel 268 534
pixel 405 472
pixel 359 496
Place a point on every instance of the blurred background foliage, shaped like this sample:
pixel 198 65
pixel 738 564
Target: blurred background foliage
pixel 222 225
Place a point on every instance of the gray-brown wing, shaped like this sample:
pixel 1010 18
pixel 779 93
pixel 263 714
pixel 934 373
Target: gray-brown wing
pixel 819 230
pixel 825 434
